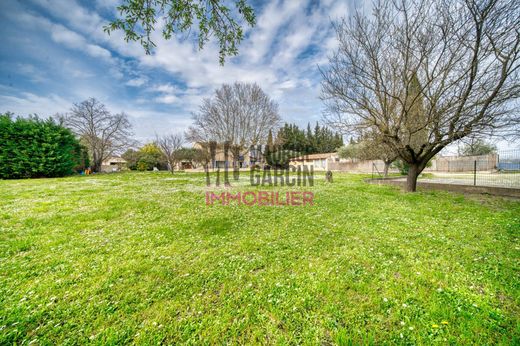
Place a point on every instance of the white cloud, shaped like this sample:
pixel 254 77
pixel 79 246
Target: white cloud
pixel 164 88
pixel 168 99
pixel 27 103
pixel 271 56
pixel 69 38
pixel 31 72
pixel 137 82
pixel 63 35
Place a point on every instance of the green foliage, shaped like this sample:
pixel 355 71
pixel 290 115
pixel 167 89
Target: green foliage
pixel 281 158
pixel 321 140
pixel 151 149
pixel 84 159
pixel 402 166
pixel 147 162
pixel 201 156
pixel 186 154
pixel 142 166
pixel 146 158
pixel 477 147
pixel 416 124
pixel 212 18
pixel 33 148
pixel 270 143
pixel 132 157
pixel 349 151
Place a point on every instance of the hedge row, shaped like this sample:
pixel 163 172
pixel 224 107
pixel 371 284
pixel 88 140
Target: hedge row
pixel 33 148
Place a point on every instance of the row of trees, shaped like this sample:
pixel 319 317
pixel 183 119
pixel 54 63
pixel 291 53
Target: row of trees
pixel 106 134
pixel 165 153
pixel 291 137
pixel 475 146
pixel 367 148
pixel 34 148
pixel 411 79
pixel 238 116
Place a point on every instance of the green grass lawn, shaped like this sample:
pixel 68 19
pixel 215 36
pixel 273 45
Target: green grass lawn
pixel 139 258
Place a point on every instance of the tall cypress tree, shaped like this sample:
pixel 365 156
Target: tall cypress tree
pixel 269 148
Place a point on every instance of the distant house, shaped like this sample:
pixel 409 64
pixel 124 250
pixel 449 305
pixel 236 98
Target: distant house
pixel 319 162
pixel 113 164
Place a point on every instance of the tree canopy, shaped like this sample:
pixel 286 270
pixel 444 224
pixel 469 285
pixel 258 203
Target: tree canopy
pixel 103 133
pixel 476 146
pixel 238 116
pixel 319 140
pixel 424 74
pixel 221 19
pixel 34 148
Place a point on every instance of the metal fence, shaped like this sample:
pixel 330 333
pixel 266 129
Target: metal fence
pixel 501 169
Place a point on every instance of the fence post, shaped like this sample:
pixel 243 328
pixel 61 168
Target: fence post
pixel 475 173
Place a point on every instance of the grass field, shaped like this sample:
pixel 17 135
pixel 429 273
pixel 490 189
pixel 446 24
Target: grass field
pixel 139 258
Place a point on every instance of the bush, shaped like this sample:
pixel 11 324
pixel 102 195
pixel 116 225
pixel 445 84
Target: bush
pixel 147 162
pixel 132 158
pixel 146 158
pixel 33 148
pixel 403 166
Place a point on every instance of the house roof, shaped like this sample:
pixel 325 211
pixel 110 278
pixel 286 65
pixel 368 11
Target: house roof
pixel 314 157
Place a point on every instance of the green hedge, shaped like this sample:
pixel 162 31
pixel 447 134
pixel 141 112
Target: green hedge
pixel 33 148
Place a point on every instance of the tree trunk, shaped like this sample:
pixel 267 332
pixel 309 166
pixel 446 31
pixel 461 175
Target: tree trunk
pixel 96 167
pixel 411 180
pixel 387 166
pixel 206 170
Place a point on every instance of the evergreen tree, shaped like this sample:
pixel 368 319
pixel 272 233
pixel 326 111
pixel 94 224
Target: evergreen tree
pixel 321 140
pixel 415 128
pixel 309 140
pixel 33 148
pixel 269 148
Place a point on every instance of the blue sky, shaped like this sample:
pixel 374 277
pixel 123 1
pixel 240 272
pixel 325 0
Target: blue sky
pixel 54 53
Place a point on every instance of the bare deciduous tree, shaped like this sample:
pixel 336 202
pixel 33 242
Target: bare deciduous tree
pixel 238 116
pixel 169 145
pixel 103 133
pixel 424 74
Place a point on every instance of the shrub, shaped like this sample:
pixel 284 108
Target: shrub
pixel 132 158
pixel 403 166
pixel 147 162
pixel 146 158
pixel 32 148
